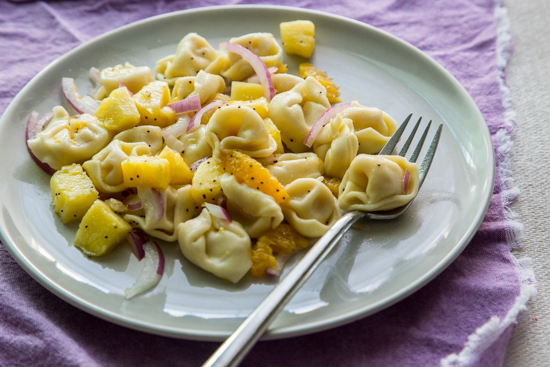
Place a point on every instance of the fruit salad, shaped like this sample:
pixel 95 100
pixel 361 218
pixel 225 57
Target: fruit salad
pixel 217 150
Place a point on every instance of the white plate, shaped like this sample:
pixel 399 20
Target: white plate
pixel 377 263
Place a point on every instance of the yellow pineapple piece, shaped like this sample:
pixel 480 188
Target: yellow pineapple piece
pixel 281 240
pixel 250 172
pixel 241 91
pixel 146 171
pixel 101 230
pixel 306 69
pixel 260 105
pixel 333 184
pixel 262 258
pixel 118 111
pixel 151 103
pixel 206 185
pixel 73 193
pixel 275 134
pixel 180 173
pixel 298 37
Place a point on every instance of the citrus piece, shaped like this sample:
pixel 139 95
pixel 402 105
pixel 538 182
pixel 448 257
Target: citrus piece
pixel 307 69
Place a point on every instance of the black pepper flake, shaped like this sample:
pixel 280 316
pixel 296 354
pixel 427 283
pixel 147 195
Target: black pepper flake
pixel 277 190
pixel 137 176
pixel 211 190
pixel 86 226
pixel 203 196
pixel 106 236
pixel 146 117
pixel 291 140
pixel 378 164
pixel 131 179
pixel 251 178
pixel 257 188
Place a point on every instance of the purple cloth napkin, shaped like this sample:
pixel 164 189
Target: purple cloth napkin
pixel 462 318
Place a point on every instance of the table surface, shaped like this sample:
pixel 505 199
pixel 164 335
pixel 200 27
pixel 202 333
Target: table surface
pixel 528 77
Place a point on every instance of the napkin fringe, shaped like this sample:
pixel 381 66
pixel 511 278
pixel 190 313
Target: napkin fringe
pixel 489 334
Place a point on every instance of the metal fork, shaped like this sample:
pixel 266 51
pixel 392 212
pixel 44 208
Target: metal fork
pixel 235 348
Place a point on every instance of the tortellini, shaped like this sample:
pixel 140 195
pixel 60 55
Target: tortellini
pixel 69 139
pixel 256 211
pixel 240 128
pixel 291 166
pixel 220 247
pixel 312 209
pixel 294 112
pixel 372 126
pixel 193 54
pixel 133 77
pixel 376 183
pixel 178 207
pixel 195 145
pixel 262 44
pixel 204 84
pixel 337 146
pixel 148 134
pixel 105 168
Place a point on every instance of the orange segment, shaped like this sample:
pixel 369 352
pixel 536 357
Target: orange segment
pixel 250 172
pixel 333 184
pixel 306 69
pixel 279 241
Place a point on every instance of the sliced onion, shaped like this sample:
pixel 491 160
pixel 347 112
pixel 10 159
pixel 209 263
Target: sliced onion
pixel 406 180
pixel 34 126
pixel 80 105
pixel 152 202
pixel 134 206
pixel 178 129
pixel 152 270
pixel 193 167
pixel 256 80
pixel 257 64
pixel 137 239
pixel 95 76
pixel 186 105
pixel 281 261
pixel 122 85
pixel 218 211
pixel 196 120
pixel 322 121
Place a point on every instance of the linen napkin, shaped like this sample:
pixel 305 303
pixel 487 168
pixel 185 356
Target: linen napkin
pixel 464 317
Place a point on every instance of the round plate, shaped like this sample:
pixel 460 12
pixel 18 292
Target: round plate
pixel 377 263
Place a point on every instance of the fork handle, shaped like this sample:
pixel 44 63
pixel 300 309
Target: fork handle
pixel 235 348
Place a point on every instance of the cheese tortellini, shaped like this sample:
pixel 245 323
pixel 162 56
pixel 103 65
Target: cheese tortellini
pixel 132 77
pixel 69 139
pixel 376 183
pixel 220 247
pixel 294 112
pixel 292 166
pixel 337 146
pixel 204 84
pixel 256 211
pixel 312 209
pixel 240 128
pixel 262 44
pixel 178 207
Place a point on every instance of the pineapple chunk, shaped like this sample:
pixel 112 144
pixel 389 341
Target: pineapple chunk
pixel 298 37
pixel 118 111
pixel 241 91
pixel 73 193
pixel 101 230
pixel 146 171
pixel 180 174
pixel 151 103
pixel 275 134
pixel 260 105
pixel 206 185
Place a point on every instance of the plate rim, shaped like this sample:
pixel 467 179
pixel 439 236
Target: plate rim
pixel 284 332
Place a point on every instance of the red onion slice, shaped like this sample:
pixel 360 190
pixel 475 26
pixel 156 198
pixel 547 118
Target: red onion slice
pixel 152 270
pixel 80 105
pixel 32 129
pixel 186 105
pixel 152 202
pixel 121 85
pixel 217 211
pixel 95 76
pixel 257 64
pixel 196 119
pixel 193 167
pixel 406 180
pixel 137 239
pixel 256 80
pixel 322 121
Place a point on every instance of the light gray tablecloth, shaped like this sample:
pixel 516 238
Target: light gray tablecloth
pixel 528 76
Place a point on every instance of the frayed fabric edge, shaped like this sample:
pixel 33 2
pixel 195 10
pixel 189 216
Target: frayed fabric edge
pixel 486 335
